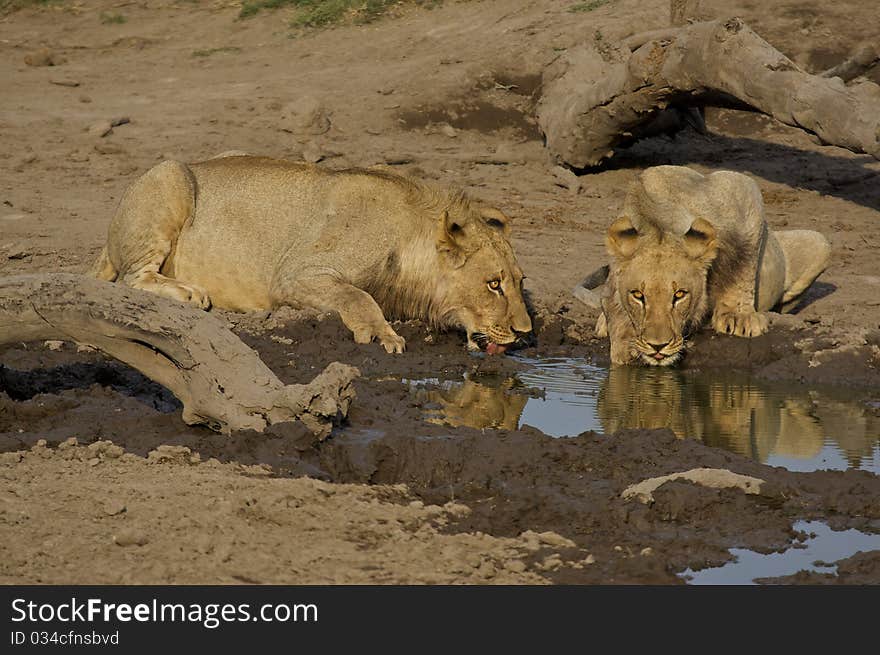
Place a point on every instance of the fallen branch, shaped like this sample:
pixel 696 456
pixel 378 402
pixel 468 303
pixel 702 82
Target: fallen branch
pixel 862 60
pixel 600 96
pixel 220 381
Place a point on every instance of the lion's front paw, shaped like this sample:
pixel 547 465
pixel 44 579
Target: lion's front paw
pixel 393 343
pixel 740 324
pixel 390 340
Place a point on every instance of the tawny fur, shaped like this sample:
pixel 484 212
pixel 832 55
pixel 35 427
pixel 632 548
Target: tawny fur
pixel 705 236
pixel 250 233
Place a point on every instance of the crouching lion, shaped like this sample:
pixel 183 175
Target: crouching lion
pixel 251 233
pixel 687 246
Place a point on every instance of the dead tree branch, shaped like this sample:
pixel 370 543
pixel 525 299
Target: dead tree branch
pixel 220 381
pixel 599 96
pixel 865 57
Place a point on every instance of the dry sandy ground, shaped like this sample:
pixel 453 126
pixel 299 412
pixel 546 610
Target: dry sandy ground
pixel 444 94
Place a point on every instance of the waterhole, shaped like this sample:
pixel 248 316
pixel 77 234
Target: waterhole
pixel 818 553
pixel 797 427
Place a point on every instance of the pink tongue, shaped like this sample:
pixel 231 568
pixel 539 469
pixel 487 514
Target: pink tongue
pixel 496 349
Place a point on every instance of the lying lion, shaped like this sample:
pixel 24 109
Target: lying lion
pixel 250 233
pixel 689 245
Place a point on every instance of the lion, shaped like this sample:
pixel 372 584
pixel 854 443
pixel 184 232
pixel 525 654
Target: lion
pixel 688 246
pixel 251 233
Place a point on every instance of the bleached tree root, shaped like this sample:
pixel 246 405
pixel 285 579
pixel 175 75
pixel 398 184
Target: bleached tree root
pixel 601 95
pixel 221 382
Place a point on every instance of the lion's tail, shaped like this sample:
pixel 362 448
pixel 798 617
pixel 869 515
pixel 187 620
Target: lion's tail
pixel 103 268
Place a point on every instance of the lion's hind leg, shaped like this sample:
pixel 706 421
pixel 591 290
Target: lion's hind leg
pixel 807 255
pixel 146 226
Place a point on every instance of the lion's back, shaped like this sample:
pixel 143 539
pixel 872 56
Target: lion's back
pixel 253 215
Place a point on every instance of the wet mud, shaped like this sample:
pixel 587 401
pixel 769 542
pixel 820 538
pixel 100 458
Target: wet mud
pixel 514 479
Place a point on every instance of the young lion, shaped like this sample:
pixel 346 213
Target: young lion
pixel 249 233
pixel 687 245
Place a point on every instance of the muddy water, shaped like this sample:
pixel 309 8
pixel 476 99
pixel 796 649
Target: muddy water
pixel 818 554
pixel 789 425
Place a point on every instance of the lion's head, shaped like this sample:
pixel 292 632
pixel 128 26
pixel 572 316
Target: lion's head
pixel 658 288
pixel 480 280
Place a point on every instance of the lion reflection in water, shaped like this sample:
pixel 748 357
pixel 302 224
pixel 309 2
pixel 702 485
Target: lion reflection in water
pixel 475 405
pixel 733 414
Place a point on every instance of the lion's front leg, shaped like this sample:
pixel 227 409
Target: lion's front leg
pixel 358 310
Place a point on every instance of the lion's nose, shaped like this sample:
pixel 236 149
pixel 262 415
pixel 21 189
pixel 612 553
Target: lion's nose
pixel 658 347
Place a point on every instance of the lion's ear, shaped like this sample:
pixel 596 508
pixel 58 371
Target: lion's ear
pixel 450 238
pixel 495 218
pixel 701 242
pixel 622 239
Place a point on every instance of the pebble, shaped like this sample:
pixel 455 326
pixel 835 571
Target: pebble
pixel 305 115
pixel 555 540
pixel 515 565
pixel 54 345
pixel 113 507
pixel 43 57
pixel 18 251
pixel 63 82
pixel 312 153
pixel 487 569
pixel 447 130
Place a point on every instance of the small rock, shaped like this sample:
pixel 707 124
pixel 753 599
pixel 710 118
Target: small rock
pixel 18 251
pixel 63 82
pixel 130 537
pixel 54 345
pixel 515 565
pixel 43 57
pixel 646 552
pixel 555 540
pixel 167 453
pixel 70 442
pixel 447 130
pixel 113 507
pixel 312 153
pixel 417 504
pixel 552 562
pixel 107 449
pixel 566 179
pixel 85 99
pixel 487 569
pixel 305 116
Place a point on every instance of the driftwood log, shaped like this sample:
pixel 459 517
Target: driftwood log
pixel 602 95
pixel 220 381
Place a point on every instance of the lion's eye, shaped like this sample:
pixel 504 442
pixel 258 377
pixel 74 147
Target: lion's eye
pixel 638 295
pixel 495 285
pixel 678 295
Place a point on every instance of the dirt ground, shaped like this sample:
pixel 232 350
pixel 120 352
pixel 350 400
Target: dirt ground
pixel 444 94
